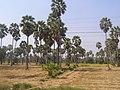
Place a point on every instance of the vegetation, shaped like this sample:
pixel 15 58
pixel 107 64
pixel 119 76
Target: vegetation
pixel 49 60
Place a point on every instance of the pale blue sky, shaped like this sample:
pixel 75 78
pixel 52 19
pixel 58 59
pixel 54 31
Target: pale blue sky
pixel 81 16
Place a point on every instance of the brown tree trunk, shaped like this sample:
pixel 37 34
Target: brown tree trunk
pixel 26 67
pixel 107 53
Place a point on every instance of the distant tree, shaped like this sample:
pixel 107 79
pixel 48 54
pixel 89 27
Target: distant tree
pixel 2 53
pixel 114 35
pixel 98 45
pixel 28 27
pixel 105 25
pixel 68 48
pixel 3 31
pixel 14 31
pixel 23 46
pixel 76 47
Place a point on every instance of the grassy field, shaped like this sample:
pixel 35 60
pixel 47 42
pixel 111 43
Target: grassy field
pixel 86 76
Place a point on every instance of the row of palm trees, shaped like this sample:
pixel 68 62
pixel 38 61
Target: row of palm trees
pixel 46 35
pixel 53 30
pixel 111 43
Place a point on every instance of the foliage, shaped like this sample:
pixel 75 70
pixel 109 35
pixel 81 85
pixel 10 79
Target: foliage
pixel 53 70
pixel 72 67
pixel 105 24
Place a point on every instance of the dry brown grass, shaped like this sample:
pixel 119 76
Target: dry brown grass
pixel 89 77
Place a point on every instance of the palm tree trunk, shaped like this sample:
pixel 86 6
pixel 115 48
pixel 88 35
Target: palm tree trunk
pixel 118 61
pixel 107 53
pixel 12 56
pixel 1 42
pixel 54 53
pixel 40 56
pixel 27 54
pixel 58 54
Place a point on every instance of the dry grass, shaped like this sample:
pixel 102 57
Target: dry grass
pixel 89 77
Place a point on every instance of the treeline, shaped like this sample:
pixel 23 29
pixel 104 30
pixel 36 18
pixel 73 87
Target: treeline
pixel 48 34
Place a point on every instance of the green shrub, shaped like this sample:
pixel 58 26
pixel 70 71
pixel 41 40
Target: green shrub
pixel 72 67
pixel 21 86
pixel 53 70
pixel 57 72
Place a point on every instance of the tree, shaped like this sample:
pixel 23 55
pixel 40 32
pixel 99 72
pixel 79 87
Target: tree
pixel 98 45
pixel 28 27
pixel 76 47
pixel 68 49
pixel 105 25
pixel 114 35
pixel 3 31
pixel 58 8
pixel 2 53
pixel 23 45
pixel 14 31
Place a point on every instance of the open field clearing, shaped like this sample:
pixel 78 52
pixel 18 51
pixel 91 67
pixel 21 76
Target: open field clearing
pixel 88 77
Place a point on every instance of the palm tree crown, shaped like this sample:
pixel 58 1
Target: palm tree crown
pixel 105 24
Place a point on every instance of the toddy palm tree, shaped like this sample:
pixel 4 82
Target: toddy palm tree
pixel 105 25
pixel 15 32
pixel 98 45
pixel 3 31
pixel 76 44
pixel 28 27
pixel 115 34
pixel 58 8
pixel 23 45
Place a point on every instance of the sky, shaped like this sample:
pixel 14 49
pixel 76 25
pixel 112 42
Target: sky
pixel 82 17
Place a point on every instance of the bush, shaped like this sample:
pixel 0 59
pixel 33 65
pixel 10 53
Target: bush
pixel 52 69
pixel 57 72
pixel 21 86
pixel 72 67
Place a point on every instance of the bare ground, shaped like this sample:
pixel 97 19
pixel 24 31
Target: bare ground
pixel 86 77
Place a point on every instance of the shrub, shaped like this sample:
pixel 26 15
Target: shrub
pixel 53 70
pixel 72 67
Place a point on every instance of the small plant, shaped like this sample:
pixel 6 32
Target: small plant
pixel 72 67
pixel 53 70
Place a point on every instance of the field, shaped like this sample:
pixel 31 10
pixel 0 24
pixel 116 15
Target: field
pixel 86 76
